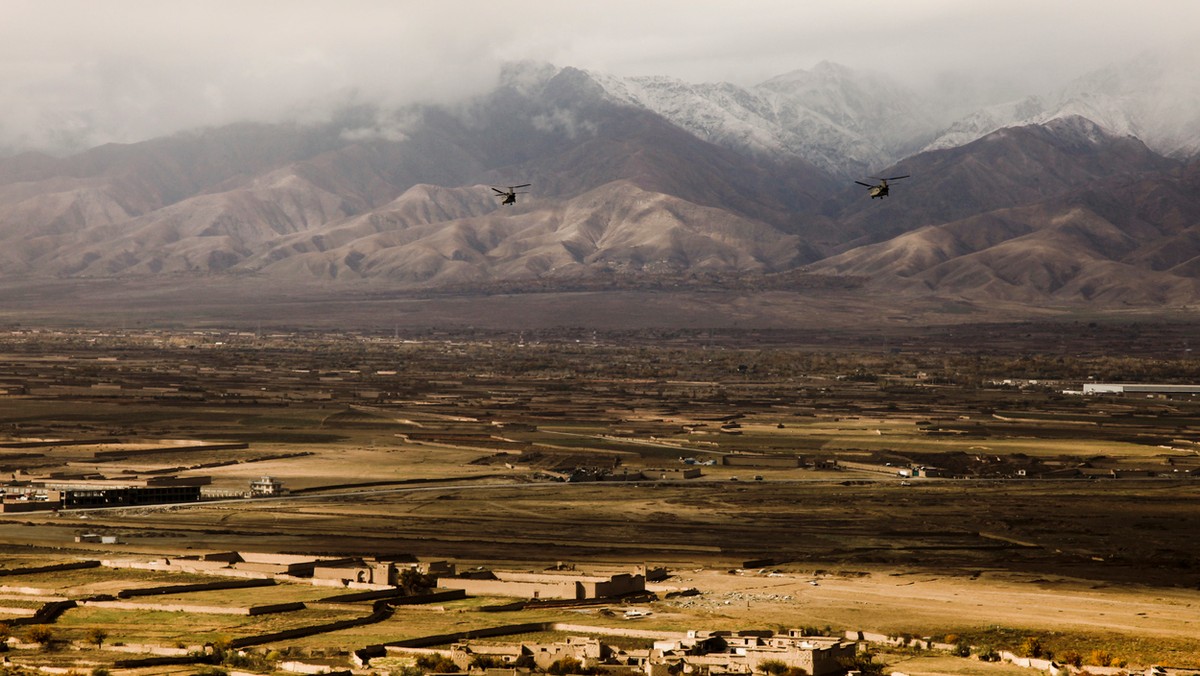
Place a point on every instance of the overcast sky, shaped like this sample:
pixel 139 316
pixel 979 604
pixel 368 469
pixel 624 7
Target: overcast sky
pixel 76 73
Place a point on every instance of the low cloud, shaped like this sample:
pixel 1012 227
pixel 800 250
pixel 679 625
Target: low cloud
pixel 77 73
pixel 564 121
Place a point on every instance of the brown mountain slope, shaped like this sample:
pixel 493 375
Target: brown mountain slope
pixel 346 201
pixel 1007 169
pixel 1124 241
pixel 616 227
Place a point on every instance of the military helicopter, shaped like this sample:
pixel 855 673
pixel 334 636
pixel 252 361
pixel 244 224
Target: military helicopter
pixel 880 190
pixel 510 195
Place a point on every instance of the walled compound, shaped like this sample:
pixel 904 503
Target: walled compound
pixel 710 653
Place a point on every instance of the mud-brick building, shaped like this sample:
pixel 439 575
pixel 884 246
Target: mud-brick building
pixel 698 653
pixel 377 571
pixel 587 650
pixel 728 653
pixel 547 586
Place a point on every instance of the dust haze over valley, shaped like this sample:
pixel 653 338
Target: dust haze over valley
pixel 245 243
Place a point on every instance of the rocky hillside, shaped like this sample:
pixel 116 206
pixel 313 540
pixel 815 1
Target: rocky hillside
pixel 634 182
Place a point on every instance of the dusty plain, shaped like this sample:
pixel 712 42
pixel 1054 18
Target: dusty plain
pixel 1067 518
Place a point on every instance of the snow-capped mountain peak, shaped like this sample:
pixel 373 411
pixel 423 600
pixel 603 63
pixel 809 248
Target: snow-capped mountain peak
pixel 1155 97
pixel 840 120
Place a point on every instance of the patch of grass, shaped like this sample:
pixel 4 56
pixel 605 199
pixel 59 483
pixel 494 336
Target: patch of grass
pixel 111 579
pixel 1121 647
pixel 282 437
pixel 167 628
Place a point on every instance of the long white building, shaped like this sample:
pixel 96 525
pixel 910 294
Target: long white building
pixel 1148 388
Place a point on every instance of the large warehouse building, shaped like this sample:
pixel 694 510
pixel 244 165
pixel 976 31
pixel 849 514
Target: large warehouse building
pixel 1139 388
pixel 82 493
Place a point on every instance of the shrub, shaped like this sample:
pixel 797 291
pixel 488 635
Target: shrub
pixel 436 664
pixel 1100 658
pixel 773 667
pixel 414 583
pixel 864 663
pixel 40 633
pixel 1071 657
pixel 485 662
pixel 564 665
pixel 988 654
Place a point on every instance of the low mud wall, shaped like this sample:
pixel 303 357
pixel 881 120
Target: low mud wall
pixel 198 587
pixel 32 570
pixel 201 610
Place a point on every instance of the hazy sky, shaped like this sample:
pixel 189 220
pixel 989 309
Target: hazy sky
pixel 82 72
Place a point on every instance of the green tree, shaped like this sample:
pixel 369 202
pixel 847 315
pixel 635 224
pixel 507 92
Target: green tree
pixel 414 583
pixel 864 663
pixel 565 665
pixel 482 662
pixel 96 635
pixel 41 634
pixel 436 664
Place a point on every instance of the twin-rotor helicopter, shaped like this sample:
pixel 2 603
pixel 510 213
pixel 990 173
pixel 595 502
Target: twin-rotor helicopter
pixel 880 189
pixel 510 196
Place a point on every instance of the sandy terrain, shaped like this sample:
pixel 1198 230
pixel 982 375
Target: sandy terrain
pixel 919 602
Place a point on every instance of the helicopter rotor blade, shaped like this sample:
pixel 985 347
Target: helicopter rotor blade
pixel 868 185
pixel 499 191
pixel 897 178
pixel 523 185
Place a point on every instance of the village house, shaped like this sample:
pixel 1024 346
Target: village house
pixel 588 651
pixel 376 571
pixel 699 652
pixel 728 653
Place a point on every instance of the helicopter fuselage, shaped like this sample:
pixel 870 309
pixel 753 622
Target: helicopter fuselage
pixel 880 189
pixel 510 196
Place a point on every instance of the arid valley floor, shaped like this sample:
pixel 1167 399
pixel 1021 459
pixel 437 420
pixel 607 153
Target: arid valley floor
pixel 1044 515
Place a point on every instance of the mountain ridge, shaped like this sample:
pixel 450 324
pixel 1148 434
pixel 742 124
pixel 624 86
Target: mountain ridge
pixel 627 192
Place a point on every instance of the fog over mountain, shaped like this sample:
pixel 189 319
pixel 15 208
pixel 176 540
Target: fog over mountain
pixel 78 74
pixel 1155 97
pixel 1083 198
